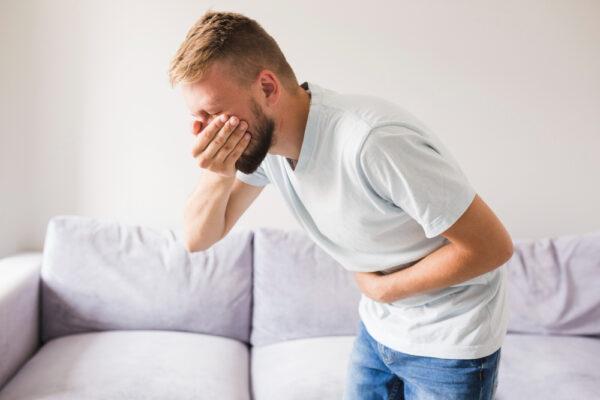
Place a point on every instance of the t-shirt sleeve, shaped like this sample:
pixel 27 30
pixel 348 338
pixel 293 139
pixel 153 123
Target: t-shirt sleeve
pixel 416 174
pixel 257 178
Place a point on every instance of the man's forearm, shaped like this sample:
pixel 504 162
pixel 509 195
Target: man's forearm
pixel 204 211
pixel 446 266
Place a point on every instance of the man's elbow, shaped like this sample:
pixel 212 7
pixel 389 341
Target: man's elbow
pixel 509 249
pixel 193 246
pixel 190 248
pixel 506 254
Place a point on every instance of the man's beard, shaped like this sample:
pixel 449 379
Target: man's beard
pixel 261 139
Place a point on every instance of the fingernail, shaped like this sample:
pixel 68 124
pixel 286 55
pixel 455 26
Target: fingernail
pixel 223 118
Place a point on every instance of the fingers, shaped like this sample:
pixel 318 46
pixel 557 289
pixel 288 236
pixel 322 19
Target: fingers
pixel 220 137
pixel 220 143
pixel 238 149
pixel 235 145
pixel 206 135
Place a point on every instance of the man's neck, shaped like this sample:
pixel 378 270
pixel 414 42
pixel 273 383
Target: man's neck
pixel 293 163
pixel 291 132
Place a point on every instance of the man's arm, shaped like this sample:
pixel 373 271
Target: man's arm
pixel 214 207
pixel 217 147
pixel 479 243
pixel 242 196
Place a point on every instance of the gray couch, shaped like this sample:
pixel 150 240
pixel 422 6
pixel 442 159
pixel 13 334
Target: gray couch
pixel 112 311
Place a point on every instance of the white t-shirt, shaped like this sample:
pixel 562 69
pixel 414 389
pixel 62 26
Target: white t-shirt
pixel 374 188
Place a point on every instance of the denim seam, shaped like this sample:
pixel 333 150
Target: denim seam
pixel 382 354
pixel 495 379
pixel 395 388
pixel 481 380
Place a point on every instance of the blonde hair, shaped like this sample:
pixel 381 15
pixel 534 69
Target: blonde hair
pixel 244 46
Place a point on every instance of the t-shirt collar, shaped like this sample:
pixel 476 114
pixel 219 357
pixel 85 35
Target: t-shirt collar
pixel 310 131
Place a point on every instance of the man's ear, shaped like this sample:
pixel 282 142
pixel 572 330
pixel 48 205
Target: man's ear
pixel 270 87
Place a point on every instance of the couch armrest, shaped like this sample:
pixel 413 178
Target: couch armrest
pixel 19 311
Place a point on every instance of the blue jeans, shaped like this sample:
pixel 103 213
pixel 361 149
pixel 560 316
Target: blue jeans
pixel 376 372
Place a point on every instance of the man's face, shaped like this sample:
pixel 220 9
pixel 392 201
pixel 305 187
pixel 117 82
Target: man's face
pixel 217 94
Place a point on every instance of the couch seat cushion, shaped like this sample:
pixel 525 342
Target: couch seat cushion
pixel 549 367
pixel 134 365
pixel 531 367
pixel 302 369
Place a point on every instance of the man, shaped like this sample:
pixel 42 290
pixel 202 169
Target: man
pixel 373 187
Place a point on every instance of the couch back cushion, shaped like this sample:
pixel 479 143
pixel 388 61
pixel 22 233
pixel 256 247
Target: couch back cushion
pixel 299 290
pixel 554 285
pixel 102 275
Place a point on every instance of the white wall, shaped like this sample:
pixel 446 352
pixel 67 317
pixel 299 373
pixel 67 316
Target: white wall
pixel 90 125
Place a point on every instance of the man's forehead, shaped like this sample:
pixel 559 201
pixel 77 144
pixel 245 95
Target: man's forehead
pixel 204 93
pixel 202 98
pixel 211 92
pixel 209 103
